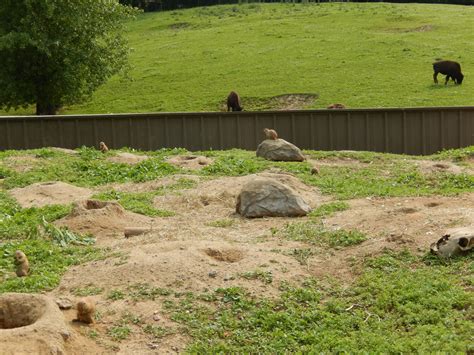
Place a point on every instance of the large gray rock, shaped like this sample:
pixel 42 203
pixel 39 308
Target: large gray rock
pixel 279 150
pixel 269 198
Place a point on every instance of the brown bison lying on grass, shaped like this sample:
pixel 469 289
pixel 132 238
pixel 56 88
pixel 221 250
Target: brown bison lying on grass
pixel 450 69
pixel 233 102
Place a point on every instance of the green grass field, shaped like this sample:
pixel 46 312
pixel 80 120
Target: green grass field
pixel 362 55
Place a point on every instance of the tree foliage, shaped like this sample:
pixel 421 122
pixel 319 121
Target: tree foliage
pixel 57 52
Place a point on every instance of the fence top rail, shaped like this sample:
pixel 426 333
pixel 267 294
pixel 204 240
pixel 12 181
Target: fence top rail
pixel 221 113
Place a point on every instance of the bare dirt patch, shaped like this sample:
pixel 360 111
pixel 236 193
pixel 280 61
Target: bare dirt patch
pixel 429 167
pixel 395 223
pixel 152 185
pixel 22 163
pixel 102 219
pixel 187 253
pixel 65 150
pixel 193 162
pixel 227 255
pixel 337 162
pixel 49 193
pixel 127 158
pixel 292 101
pixel 279 102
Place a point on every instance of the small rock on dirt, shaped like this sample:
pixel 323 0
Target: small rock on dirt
pixel 270 198
pixel 212 274
pixel 279 150
pixel 153 346
pixel 64 303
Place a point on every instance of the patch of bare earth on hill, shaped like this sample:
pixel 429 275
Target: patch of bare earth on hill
pixel 426 167
pixel 22 163
pixel 292 101
pixel 190 253
pixel 127 158
pixel 280 102
pixel 430 166
pixel 104 220
pixel 193 162
pixel 49 193
pixel 163 183
pixel 395 223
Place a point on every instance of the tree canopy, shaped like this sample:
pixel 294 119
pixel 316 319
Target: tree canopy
pixel 57 52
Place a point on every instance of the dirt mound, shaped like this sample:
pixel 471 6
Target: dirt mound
pixel 336 162
pixel 161 183
pixel 102 219
pixel 217 198
pixel 65 150
pixel 49 193
pixel 429 167
pixel 127 158
pixel 22 163
pixel 193 162
pixel 227 255
pixel 31 324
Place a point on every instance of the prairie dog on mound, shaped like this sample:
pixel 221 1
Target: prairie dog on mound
pixel 85 311
pixel 103 148
pixel 22 264
pixel 270 133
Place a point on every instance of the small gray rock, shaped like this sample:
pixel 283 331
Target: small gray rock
pixel 64 303
pixel 212 274
pixel 153 346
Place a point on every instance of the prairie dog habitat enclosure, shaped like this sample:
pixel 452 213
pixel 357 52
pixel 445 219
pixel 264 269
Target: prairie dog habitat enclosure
pixel 185 229
pixel 202 278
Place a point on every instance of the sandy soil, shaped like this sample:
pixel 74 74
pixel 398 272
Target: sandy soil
pixel 49 193
pixel 187 252
pixel 193 162
pixel 127 158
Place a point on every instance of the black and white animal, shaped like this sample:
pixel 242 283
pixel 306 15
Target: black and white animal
pixel 233 102
pixel 449 68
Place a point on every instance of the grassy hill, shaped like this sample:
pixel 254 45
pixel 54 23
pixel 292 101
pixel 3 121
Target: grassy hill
pixel 362 55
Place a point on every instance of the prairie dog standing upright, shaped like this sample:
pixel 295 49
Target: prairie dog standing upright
pixel 85 311
pixel 270 133
pixel 22 264
pixel 103 148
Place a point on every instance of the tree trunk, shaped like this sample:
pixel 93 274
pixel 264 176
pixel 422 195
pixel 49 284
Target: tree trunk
pixel 46 108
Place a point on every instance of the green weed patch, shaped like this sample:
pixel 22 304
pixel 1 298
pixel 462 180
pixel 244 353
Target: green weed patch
pixel 409 308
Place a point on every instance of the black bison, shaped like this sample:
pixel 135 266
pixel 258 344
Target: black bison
pixel 233 102
pixel 450 69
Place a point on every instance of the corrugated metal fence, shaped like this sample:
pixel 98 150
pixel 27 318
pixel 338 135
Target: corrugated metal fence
pixel 410 131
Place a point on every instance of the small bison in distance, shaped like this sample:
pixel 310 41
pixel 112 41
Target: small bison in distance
pixel 233 102
pixel 449 68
